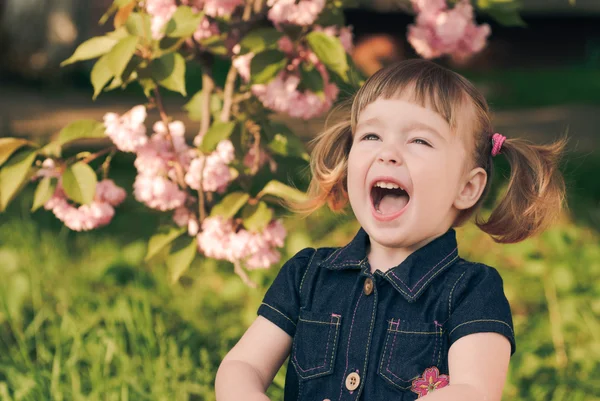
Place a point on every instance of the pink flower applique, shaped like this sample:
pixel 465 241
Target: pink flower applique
pixel 430 381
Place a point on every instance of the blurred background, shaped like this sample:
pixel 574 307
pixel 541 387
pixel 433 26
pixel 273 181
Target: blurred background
pixel 82 316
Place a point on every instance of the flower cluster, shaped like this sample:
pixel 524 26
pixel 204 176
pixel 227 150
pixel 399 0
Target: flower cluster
pixel 442 31
pixel 216 175
pixel 127 132
pixel 220 240
pixel 87 217
pixel 303 12
pixel 283 94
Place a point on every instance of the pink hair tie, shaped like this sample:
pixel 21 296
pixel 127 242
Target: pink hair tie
pixel 497 141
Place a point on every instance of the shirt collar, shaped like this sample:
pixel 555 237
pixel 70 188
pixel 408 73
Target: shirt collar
pixel 413 275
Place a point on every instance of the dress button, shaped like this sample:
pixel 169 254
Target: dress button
pixel 368 288
pixel 352 381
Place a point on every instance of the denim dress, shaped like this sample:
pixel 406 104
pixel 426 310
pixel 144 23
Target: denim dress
pixel 380 336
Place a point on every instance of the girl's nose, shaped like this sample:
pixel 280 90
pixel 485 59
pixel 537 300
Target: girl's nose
pixel 388 156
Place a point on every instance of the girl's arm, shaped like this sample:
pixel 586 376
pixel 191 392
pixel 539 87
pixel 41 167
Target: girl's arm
pixel 250 366
pixel 478 365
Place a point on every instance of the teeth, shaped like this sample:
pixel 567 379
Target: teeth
pixel 388 185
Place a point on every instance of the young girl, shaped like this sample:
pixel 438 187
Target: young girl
pixel 397 314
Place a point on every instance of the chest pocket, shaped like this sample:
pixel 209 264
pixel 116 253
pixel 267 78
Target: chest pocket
pixel 409 349
pixel 315 343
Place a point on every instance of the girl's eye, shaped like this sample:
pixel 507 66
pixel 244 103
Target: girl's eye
pixel 370 137
pixel 422 141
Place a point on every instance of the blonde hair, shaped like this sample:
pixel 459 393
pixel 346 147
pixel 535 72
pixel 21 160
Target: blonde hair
pixel 536 188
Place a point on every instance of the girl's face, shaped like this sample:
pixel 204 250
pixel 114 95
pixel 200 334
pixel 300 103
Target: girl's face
pixel 405 169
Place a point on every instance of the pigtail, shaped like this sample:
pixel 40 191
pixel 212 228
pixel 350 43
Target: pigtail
pixel 328 166
pixel 535 194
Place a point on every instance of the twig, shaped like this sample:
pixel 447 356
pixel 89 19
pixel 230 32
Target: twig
pixel 201 207
pixel 96 155
pixel 208 85
pixel 240 272
pixel 106 163
pixel 165 120
pixel 228 94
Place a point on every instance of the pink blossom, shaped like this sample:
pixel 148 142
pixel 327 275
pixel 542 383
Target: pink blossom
pixel 108 192
pixel 242 65
pixel 282 95
pixel 286 45
pixel 128 131
pixel 225 151
pixel 161 12
pixel 205 30
pixel 184 217
pixel 158 192
pixel 275 233
pixel 250 158
pixel 157 156
pixel 303 12
pixel 439 30
pixel 263 259
pixel 216 175
pixel 221 8
pixel 214 8
pixel 219 240
pixel 87 217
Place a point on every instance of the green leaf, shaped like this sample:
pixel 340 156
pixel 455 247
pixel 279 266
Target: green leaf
pixel 230 205
pixel 261 39
pixel 282 191
pixel 81 129
pixel 194 106
pixel 101 74
pixel 181 257
pixel 10 145
pixel 216 133
pixel 330 51
pixel 13 175
pixel 79 182
pixel 266 65
pixel 139 25
pixel 43 192
pixel 147 85
pixel 257 217
pixel 169 72
pixel 92 48
pixel 506 12
pixel 312 80
pixel 286 143
pixel 121 54
pixel 52 149
pixel 164 236
pixel 215 44
pixel 183 23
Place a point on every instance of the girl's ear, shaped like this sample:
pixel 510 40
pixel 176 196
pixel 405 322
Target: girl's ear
pixel 472 189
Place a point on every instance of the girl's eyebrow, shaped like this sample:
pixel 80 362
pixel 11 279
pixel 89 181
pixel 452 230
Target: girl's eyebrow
pixel 417 125
pixel 371 121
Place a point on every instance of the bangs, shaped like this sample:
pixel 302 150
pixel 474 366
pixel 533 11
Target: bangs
pixel 418 81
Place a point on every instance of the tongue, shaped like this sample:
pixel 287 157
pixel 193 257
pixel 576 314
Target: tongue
pixel 391 203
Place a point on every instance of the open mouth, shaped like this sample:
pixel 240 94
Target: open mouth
pixel 388 198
